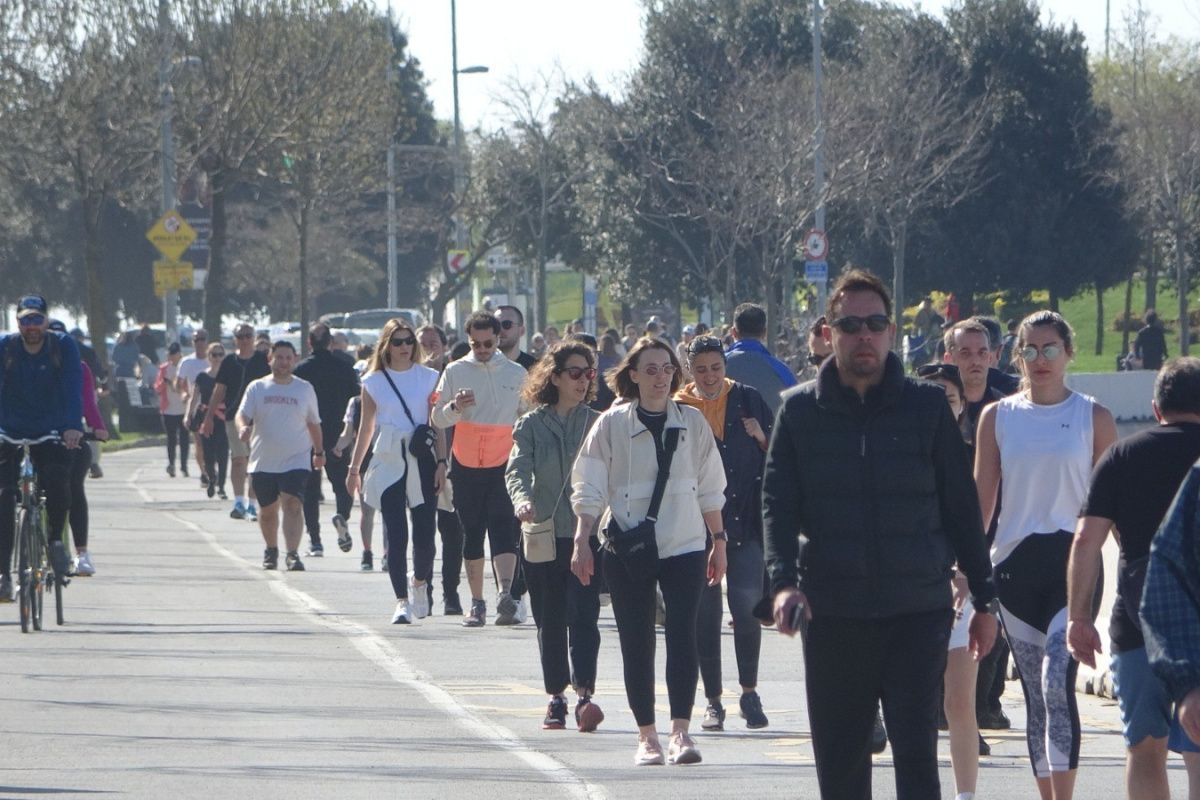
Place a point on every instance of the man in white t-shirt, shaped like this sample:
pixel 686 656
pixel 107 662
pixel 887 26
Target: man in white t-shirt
pixel 279 418
pixel 189 368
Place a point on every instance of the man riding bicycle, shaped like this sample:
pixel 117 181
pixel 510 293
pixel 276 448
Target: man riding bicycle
pixel 40 376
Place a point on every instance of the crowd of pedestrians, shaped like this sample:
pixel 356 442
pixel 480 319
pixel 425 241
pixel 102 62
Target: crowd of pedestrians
pixel 913 529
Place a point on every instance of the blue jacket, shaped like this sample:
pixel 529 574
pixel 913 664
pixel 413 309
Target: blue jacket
pixel 1171 600
pixel 37 395
pixel 750 362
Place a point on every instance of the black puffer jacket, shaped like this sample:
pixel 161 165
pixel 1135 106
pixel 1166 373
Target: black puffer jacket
pixel 880 490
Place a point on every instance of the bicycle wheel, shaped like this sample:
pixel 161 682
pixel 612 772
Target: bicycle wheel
pixel 56 581
pixel 40 573
pixel 25 538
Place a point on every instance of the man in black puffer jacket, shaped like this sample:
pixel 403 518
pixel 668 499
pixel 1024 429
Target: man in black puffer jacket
pixel 871 469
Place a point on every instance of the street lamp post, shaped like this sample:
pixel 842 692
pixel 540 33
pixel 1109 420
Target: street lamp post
pixel 167 141
pixel 460 179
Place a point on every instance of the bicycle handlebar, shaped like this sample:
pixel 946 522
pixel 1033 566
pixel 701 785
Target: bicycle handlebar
pixel 50 437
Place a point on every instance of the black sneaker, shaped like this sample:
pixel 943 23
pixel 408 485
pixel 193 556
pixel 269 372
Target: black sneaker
pixel 995 720
pixel 878 735
pixel 6 589
pixel 60 561
pixel 316 551
pixel 556 715
pixel 714 717
pixel 293 562
pixel 752 711
pixel 368 561
pixel 271 558
pixel 183 471
pixel 985 749
pixel 478 615
pixel 171 470
pixel 204 481
pixel 453 605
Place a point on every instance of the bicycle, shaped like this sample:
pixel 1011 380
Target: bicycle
pixel 32 546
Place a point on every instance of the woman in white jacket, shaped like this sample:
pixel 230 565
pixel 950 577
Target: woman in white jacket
pixel 616 470
pixel 396 398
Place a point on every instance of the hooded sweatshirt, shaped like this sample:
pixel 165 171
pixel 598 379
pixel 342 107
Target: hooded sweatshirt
pixel 713 410
pixel 483 436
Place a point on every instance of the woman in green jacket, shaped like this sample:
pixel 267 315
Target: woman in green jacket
pixel 545 443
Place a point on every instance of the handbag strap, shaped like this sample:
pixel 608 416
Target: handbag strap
pixel 392 383
pixel 665 456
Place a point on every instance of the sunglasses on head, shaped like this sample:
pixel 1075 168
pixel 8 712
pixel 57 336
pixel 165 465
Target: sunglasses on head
pixel 31 319
pixel 575 373
pixel 1031 353
pixel 507 324
pixel 938 370
pixel 705 344
pixel 876 323
pixel 398 341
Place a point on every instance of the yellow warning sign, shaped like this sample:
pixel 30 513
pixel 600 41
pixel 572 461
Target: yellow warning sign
pixel 172 276
pixel 172 235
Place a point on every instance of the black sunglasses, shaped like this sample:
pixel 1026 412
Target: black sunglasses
pixel 507 324
pixel 575 373
pixel 938 370
pixel 816 360
pixel 705 344
pixel 876 323
pixel 398 342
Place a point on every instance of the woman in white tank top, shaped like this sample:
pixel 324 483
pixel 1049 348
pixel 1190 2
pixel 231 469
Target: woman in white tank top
pixel 1043 442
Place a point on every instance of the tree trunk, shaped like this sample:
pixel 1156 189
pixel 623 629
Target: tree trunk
pixel 539 320
pixel 899 242
pixel 1128 314
pixel 1054 301
pixel 1099 319
pixel 1152 278
pixel 96 308
pixel 1181 281
pixel 304 224
pixel 214 288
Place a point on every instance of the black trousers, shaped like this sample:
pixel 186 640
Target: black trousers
pixel 566 613
pixel 682 578
pixel 451 532
pixel 81 462
pixel 177 435
pixel 851 665
pixel 52 463
pixel 336 468
pixel 216 454
pixel 744 579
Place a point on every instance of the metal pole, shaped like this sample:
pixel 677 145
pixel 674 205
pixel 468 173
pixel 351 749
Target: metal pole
pixel 459 177
pixel 818 150
pixel 167 141
pixel 393 269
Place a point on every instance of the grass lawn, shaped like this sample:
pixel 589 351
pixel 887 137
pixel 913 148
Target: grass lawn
pixel 1080 311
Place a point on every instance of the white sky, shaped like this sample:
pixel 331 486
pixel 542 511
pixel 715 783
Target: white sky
pixel 520 38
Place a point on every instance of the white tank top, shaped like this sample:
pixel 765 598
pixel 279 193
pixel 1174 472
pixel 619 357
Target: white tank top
pixel 1046 465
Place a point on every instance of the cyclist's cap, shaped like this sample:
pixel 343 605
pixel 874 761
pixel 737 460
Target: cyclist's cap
pixel 57 325
pixel 31 304
pixel 174 348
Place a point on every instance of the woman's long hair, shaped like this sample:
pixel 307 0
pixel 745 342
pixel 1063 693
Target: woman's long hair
pixel 539 389
pixel 381 357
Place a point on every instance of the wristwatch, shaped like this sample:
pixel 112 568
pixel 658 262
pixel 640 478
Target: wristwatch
pixel 320 454
pixel 442 461
pixel 991 607
pixel 720 536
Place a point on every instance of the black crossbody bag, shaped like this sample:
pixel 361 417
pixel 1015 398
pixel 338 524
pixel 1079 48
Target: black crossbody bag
pixel 637 548
pixel 423 437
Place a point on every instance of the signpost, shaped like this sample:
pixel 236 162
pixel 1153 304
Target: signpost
pixel 171 235
pixel 172 276
pixel 457 260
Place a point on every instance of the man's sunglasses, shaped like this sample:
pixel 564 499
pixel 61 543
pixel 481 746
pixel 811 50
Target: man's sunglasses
pixel 403 342
pixel 949 371
pixel 481 345
pixel 876 323
pixel 816 360
pixel 575 373
pixel 507 324
pixel 31 319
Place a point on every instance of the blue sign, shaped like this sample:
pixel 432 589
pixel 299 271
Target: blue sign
pixel 816 271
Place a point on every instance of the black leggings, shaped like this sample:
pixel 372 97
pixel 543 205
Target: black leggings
pixel 216 454
pixel 450 528
pixel 566 613
pixel 80 464
pixel 176 435
pixel 336 468
pixel 52 463
pixel 395 523
pixel 744 578
pixel 483 506
pixel 682 579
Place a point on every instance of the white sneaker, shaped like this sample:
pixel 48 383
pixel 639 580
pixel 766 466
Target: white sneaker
pixel 83 565
pixel 522 614
pixel 418 595
pixel 403 615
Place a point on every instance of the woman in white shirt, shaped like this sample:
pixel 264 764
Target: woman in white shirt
pixel 396 398
pixel 1037 449
pixel 616 470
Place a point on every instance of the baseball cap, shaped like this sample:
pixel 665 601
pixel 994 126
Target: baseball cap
pixel 57 325
pixel 688 329
pixel 31 304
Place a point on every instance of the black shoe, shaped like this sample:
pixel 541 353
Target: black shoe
pixel 171 470
pixel 271 558
pixel 368 561
pixel 478 616
pixel 183 470
pixel 204 481
pixel 453 605
pixel 211 488
pixel 221 493
pixel 60 561
pixel 995 720
pixel 316 551
pixel 293 562
pixel 714 717
pixel 752 711
pixel 985 749
pixel 878 735
pixel 6 589
pixel 556 715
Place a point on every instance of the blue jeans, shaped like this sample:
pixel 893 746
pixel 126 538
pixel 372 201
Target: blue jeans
pixel 744 579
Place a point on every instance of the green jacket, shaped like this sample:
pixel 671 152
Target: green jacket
pixel 539 466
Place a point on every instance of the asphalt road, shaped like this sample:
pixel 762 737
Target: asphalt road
pixel 185 671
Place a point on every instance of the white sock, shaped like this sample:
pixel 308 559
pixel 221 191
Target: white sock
pixel 240 499
pixel 965 796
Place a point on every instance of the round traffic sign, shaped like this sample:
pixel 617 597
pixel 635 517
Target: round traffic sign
pixel 815 245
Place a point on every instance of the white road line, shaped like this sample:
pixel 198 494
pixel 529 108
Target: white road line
pixel 382 653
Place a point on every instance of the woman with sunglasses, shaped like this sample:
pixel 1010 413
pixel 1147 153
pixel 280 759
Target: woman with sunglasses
pixel 215 446
pixel 1038 448
pixel 616 470
pixel 741 422
pixel 538 478
pixel 396 397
